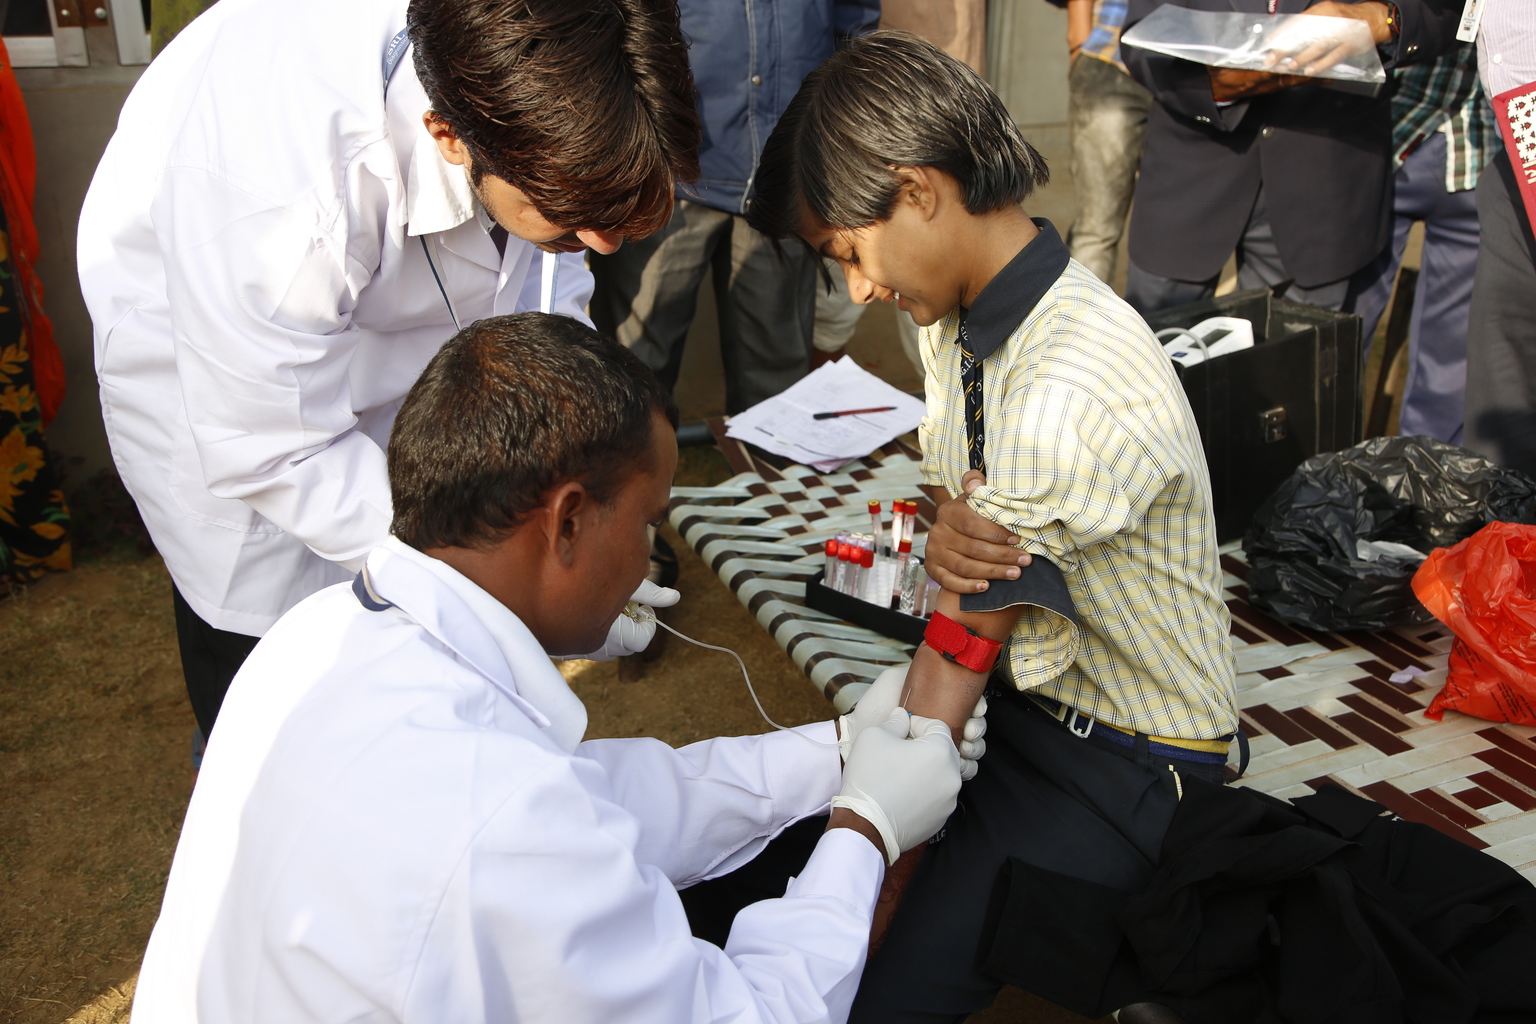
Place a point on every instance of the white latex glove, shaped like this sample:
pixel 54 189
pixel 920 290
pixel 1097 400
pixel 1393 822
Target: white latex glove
pixel 884 696
pixel 902 777
pixel 631 632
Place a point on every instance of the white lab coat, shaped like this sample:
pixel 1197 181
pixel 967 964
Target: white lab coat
pixel 250 253
pixel 396 820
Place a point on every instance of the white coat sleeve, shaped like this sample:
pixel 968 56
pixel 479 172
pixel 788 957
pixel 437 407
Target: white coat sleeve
pixel 729 796
pixel 549 917
pixel 260 300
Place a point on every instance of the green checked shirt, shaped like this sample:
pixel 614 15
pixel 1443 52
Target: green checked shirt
pixel 1445 96
pixel 1094 460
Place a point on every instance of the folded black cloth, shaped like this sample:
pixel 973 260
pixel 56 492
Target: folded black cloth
pixel 1326 909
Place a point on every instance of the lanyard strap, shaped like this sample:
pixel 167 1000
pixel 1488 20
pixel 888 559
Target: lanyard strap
pixel 970 380
pixel 393 54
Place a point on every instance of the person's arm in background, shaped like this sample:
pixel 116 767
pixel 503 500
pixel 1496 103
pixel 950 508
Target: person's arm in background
pixel 1079 25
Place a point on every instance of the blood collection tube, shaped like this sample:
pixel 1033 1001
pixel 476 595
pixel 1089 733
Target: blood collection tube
pixel 909 521
pixel 931 604
pixel 830 567
pixel 869 579
pixel 855 569
pixel 844 569
pixel 874 522
pixel 911 584
pixel 899 576
pixel 898 515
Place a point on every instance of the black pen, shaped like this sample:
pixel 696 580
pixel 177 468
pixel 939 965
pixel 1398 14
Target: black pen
pixel 850 412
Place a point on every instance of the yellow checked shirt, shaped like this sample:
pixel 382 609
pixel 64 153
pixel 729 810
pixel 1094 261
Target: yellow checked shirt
pixel 1094 461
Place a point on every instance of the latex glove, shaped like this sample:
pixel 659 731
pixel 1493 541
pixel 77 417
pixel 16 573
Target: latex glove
pixel 631 632
pixel 884 696
pixel 902 777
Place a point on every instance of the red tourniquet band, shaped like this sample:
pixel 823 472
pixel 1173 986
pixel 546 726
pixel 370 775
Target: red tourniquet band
pixel 958 644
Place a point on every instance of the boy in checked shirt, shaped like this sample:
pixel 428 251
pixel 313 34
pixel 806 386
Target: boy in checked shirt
pixel 1075 540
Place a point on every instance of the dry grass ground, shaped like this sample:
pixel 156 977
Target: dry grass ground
pixel 94 768
pixel 94 771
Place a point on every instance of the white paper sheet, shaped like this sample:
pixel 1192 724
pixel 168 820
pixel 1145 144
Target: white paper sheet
pixel 785 424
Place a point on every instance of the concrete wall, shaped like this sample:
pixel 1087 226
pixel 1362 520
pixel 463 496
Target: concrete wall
pixel 1027 59
pixel 73 112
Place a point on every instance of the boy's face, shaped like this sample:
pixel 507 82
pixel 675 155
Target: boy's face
pixel 907 258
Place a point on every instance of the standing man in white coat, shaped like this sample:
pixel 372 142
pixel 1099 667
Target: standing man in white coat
pixel 302 202
pixel 398 819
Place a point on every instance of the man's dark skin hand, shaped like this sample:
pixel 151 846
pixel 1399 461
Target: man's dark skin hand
pixel 964 550
pixel 1229 84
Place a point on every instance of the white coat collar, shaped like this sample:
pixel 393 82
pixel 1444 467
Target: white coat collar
pixel 482 631
pixel 437 195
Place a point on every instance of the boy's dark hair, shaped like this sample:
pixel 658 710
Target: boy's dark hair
pixel 585 105
pixel 888 100
pixel 511 407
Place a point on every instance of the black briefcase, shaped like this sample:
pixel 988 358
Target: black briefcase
pixel 1262 410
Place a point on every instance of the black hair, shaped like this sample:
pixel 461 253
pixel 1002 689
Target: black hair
pixel 888 100
pixel 510 408
pixel 585 105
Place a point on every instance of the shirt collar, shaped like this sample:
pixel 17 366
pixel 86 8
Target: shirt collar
pixel 437 195
pixel 483 632
pixel 1013 294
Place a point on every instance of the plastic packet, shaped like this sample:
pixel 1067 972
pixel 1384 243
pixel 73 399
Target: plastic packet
pixel 1484 589
pixel 1337 545
pixel 1339 49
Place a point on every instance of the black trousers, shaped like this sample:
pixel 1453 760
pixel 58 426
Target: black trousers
pixel 1080 807
pixel 209 660
pixel 711 906
pixel 1501 334
pixel 1084 808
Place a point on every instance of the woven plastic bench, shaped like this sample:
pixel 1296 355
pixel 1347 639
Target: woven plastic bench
pixel 1318 707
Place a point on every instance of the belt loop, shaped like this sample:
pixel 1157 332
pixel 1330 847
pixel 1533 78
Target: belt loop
pixel 1142 757
pixel 1242 755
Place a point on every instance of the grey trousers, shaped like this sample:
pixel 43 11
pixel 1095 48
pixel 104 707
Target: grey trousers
pixel 1258 266
pixel 1437 332
pixel 646 292
pixel 1501 333
pixel 1107 111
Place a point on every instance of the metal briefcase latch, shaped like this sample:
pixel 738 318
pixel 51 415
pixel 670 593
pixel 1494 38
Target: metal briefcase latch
pixel 1273 421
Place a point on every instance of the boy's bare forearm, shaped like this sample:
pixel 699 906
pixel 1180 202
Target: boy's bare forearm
pixel 938 688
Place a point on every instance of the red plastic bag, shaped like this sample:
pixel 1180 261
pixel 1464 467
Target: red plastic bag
pixel 1484 589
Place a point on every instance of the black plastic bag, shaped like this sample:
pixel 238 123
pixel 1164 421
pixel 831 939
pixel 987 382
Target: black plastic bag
pixel 1336 546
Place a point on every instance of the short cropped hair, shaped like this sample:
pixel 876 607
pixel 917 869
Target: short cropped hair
pixel 888 100
pixel 587 106
pixel 512 407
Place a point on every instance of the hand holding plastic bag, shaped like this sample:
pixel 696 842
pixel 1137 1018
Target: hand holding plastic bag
pixel 1312 45
pixel 1484 589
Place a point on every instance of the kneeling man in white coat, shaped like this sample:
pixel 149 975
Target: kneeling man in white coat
pixel 397 819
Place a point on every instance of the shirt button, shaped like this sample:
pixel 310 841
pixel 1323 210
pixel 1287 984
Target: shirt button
pixel 1267 132
pixel 757 79
pixel 1202 117
pixel 1498 58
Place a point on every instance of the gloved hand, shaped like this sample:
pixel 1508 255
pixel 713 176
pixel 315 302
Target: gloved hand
pixel 884 695
pixel 631 632
pixel 902 777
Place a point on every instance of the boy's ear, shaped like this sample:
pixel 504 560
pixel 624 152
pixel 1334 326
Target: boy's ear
pixel 919 188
